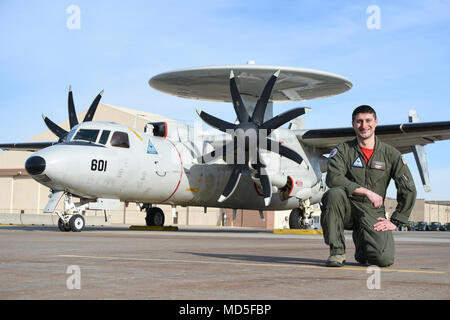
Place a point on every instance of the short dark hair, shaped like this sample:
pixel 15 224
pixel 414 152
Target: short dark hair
pixel 363 109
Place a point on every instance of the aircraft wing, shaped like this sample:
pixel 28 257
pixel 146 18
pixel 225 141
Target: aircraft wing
pixel 401 136
pixel 26 146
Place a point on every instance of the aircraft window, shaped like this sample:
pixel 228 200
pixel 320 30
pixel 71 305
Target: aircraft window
pixel 87 135
pixel 159 129
pixel 104 136
pixel 120 139
pixel 70 135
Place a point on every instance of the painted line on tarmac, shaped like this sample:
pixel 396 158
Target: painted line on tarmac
pixel 298 231
pixel 25 225
pixel 278 265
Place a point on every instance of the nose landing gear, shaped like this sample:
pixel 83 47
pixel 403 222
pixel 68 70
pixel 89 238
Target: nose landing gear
pixel 72 218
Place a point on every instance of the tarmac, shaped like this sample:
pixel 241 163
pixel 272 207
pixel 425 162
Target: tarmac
pixel 114 262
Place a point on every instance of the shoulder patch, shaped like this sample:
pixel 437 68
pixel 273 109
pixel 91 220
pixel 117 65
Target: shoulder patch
pixel 332 153
pixel 358 163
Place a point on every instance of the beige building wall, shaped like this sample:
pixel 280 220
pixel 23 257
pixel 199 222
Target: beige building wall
pixel 428 211
pixel 433 212
pixel 417 213
pixel 444 213
pixel 6 186
pixel 437 212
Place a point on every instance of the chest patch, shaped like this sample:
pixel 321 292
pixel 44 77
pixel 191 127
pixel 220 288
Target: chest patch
pixel 358 163
pixel 378 165
pixel 151 148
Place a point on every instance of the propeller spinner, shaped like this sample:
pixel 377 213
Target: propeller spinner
pixel 73 120
pixel 248 128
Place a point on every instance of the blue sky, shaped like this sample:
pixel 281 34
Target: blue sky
pixel 121 44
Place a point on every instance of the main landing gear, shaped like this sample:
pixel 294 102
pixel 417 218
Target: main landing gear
pixel 155 216
pixel 301 218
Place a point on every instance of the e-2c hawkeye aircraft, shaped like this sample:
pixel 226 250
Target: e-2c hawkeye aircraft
pixel 254 164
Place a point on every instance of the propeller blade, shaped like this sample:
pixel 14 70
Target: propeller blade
pixel 216 122
pixel 239 106
pixel 232 182
pixel 93 107
pixel 213 155
pixel 53 127
pixel 261 104
pixel 265 184
pixel 283 118
pixel 282 151
pixel 72 114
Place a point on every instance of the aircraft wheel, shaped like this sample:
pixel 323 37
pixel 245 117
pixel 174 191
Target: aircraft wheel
pixel 295 218
pixel 76 223
pixel 63 226
pixel 155 217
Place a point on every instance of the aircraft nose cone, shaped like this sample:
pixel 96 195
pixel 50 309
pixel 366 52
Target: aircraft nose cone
pixel 35 165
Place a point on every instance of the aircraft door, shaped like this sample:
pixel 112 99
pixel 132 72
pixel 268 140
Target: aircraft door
pixel 164 169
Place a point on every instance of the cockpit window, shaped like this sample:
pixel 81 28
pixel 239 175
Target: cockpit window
pixel 87 135
pixel 120 139
pixel 70 135
pixel 104 137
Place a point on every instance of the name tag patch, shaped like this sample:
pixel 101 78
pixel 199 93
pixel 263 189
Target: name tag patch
pixel 358 163
pixel 378 165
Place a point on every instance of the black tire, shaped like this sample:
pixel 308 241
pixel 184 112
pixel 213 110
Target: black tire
pixel 294 218
pixel 62 226
pixel 155 217
pixel 76 223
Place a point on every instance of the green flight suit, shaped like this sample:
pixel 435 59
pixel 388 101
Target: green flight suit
pixel 347 171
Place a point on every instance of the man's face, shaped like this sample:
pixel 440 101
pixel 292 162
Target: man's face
pixel 364 125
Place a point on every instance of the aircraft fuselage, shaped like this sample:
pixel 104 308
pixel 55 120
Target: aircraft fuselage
pixel 162 170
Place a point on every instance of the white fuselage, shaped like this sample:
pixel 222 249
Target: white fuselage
pixel 163 169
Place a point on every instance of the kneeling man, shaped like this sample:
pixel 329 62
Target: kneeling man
pixel 359 172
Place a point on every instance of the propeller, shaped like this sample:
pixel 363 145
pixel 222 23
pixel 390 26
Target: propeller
pixel 73 120
pixel 244 134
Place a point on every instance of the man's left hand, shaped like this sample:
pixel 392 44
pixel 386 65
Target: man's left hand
pixel 384 225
